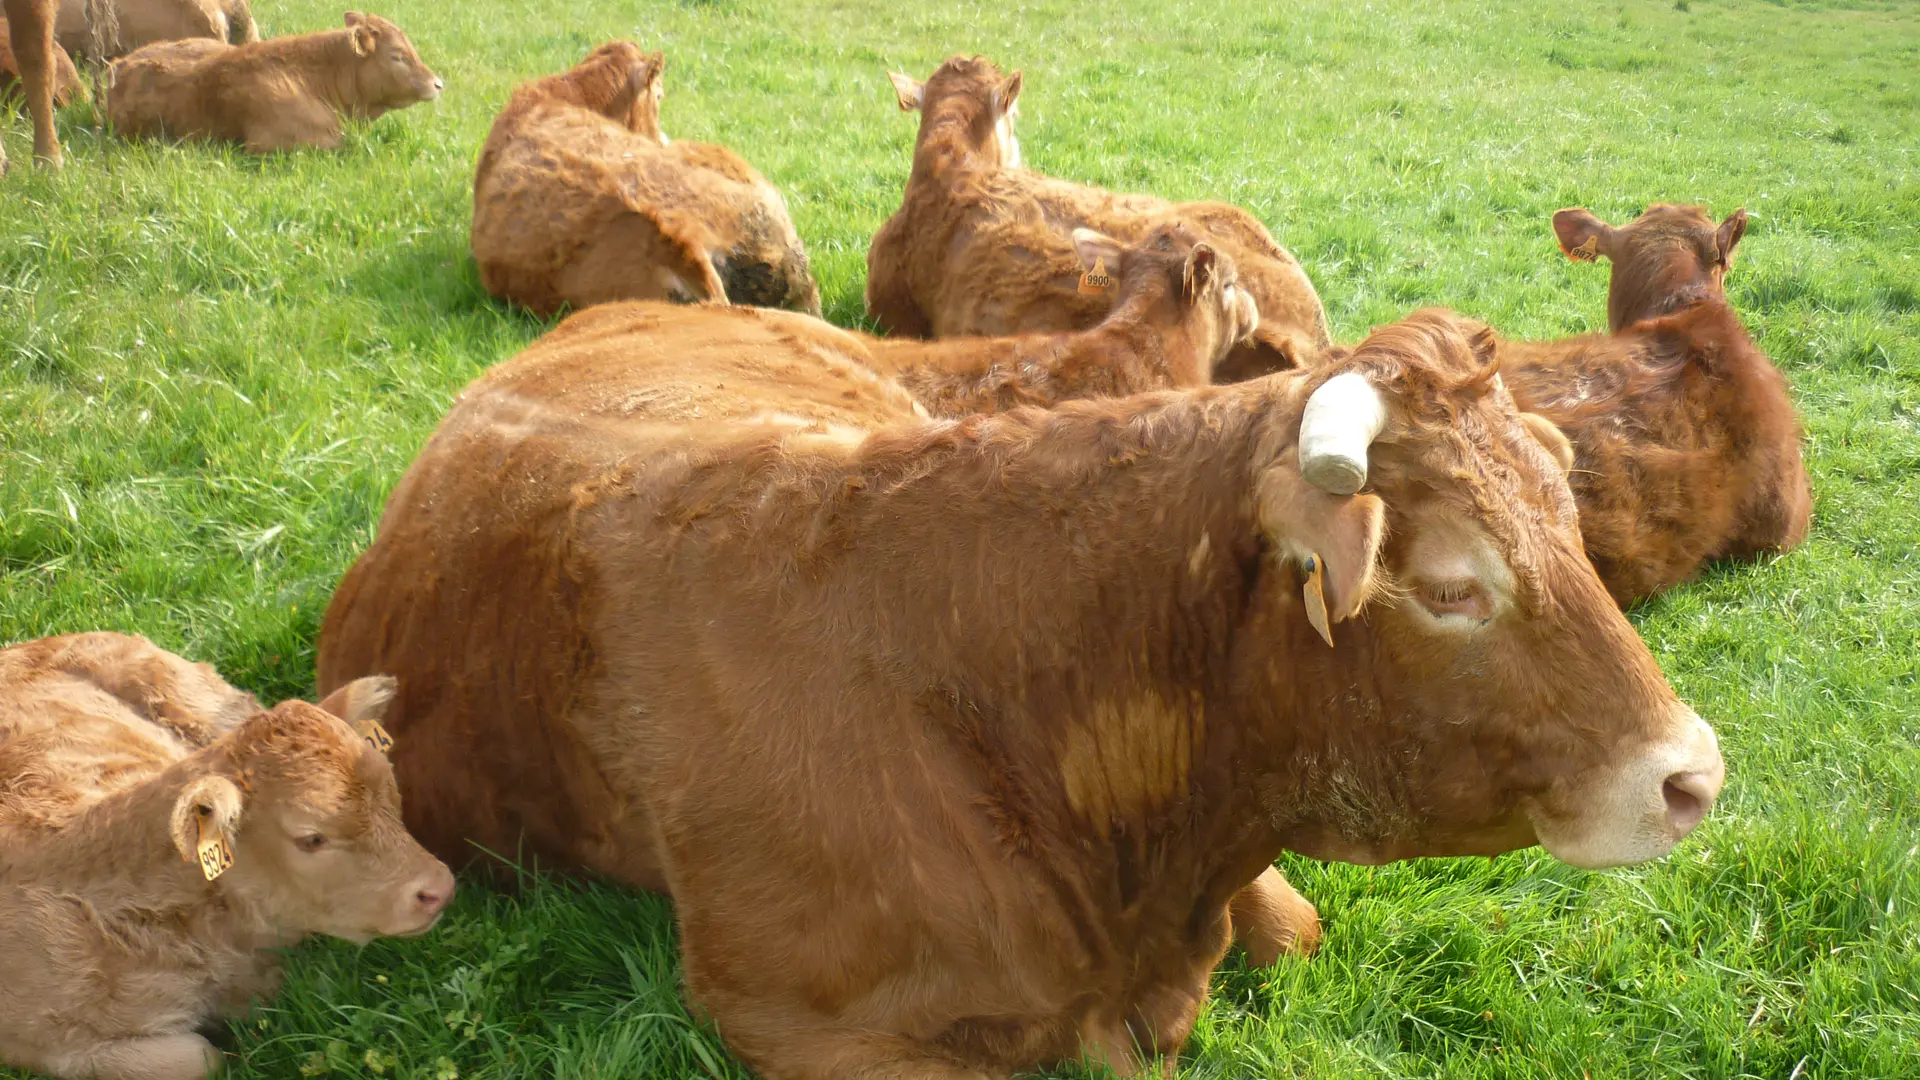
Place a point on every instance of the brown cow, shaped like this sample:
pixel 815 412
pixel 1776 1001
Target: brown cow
pixel 30 38
pixel 1685 443
pixel 67 87
pixel 953 739
pixel 104 29
pixel 580 199
pixel 162 839
pixel 282 94
pixel 980 246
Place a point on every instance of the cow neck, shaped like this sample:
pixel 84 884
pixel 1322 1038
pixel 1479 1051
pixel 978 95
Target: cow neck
pixel 1126 354
pixel 118 857
pixel 1088 569
pixel 947 138
pixel 327 65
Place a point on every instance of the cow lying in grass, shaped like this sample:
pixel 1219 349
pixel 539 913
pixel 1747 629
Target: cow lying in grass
pixel 67 87
pixel 162 837
pixel 580 198
pixel 282 94
pixel 981 247
pixel 954 741
pixel 1686 447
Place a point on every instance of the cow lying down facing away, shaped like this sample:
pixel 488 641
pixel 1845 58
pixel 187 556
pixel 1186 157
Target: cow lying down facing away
pixel 980 246
pixel 161 836
pixel 281 94
pixel 954 740
pixel 1685 446
pixel 580 199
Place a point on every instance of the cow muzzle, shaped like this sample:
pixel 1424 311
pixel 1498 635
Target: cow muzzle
pixel 1639 809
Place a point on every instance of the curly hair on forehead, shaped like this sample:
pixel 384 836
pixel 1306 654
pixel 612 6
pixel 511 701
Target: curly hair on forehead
pixel 304 747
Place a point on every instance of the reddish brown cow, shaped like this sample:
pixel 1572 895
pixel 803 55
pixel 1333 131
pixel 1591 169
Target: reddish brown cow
pixel 163 838
pixel 953 739
pixel 67 87
pixel 1685 443
pixel 980 246
pixel 30 37
pixel 580 199
pixel 283 94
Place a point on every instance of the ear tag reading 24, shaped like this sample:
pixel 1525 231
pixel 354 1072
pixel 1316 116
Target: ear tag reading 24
pixel 1315 595
pixel 1096 280
pixel 375 735
pixel 215 855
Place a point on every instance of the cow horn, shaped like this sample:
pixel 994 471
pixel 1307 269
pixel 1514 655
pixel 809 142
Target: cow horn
pixel 1340 423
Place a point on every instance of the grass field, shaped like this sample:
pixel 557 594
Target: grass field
pixel 213 368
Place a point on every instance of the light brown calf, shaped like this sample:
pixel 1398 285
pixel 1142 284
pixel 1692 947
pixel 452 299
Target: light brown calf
pixel 162 837
pixel 67 87
pixel 980 246
pixel 281 94
pixel 1685 443
pixel 958 742
pixel 580 199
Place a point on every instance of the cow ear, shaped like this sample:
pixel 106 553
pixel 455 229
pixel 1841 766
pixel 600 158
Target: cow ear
pixel 365 39
pixel 1097 247
pixel 644 75
pixel 1582 236
pixel 1008 95
pixel 910 91
pixel 205 820
pixel 363 703
pixel 1201 272
pixel 355 18
pixel 1331 541
pixel 1727 236
pixel 1549 435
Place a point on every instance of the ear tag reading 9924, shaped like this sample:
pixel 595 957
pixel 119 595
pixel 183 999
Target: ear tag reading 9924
pixel 1314 593
pixel 1096 280
pixel 215 854
pixel 375 735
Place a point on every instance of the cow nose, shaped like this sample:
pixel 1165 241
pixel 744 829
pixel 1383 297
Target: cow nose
pixel 1689 796
pixel 434 893
pixel 439 84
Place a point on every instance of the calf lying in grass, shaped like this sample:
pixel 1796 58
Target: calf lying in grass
pixel 281 94
pixel 580 198
pixel 981 246
pixel 1685 444
pixel 162 837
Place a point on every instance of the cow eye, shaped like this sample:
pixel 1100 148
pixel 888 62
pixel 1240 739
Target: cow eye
pixel 1462 596
pixel 311 843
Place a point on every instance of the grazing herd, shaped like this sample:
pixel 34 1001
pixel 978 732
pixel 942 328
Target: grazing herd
pixel 960 685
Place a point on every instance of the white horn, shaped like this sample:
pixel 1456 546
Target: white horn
pixel 1341 421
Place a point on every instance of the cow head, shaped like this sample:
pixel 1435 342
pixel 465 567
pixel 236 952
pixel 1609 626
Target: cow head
pixel 1184 287
pixel 1490 693
pixel 1664 260
pixel 623 84
pixel 969 97
pixel 301 818
pixel 389 73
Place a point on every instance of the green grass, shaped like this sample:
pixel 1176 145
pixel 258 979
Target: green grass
pixel 213 368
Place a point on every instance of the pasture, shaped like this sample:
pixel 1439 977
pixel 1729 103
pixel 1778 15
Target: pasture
pixel 212 369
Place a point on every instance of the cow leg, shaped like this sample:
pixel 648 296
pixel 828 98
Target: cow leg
pixel 787 1044
pixel 156 1057
pixel 1271 918
pixel 30 22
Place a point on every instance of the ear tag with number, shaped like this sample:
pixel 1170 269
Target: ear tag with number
pixel 375 735
pixel 1587 251
pixel 215 855
pixel 1315 595
pixel 1096 280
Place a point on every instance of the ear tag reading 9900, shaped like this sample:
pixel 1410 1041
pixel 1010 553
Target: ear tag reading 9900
pixel 1314 593
pixel 375 735
pixel 215 855
pixel 1096 280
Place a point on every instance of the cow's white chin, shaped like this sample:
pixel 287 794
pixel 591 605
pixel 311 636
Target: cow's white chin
pixel 1641 808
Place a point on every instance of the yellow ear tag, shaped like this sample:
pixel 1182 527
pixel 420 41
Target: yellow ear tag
pixel 1316 598
pixel 1586 252
pixel 375 735
pixel 1096 280
pixel 215 855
